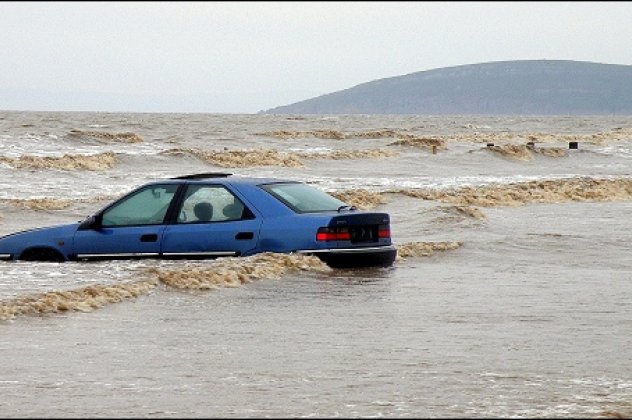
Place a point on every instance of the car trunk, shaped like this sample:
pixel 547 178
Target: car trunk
pixel 357 230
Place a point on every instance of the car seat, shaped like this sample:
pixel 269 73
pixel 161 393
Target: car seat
pixel 233 211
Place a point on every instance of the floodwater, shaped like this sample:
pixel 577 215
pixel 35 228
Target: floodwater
pixel 510 297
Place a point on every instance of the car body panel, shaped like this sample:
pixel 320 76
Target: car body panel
pixel 230 238
pixel 118 242
pixel 287 234
pixel 58 238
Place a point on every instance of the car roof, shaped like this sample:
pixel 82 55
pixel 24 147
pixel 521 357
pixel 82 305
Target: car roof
pixel 222 178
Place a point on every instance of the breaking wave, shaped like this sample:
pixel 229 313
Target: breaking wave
pixel 67 162
pixel 544 191
pixel 422 142
pixel 242 158
pixel 349 154
pixel 101 136
pixel 495 195
pixel 235 271
pixel 47 203
pixel 533 137
pixel 40 203
pixel 335 134
pixel 361 198
pixel 84 299
pixel 223 272
pixel 271 157
pixel 424 249
pixel 288 134
pixel 525 152
pixel 219 273
pixel 409 139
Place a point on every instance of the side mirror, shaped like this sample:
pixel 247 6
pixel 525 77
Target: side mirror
pixel 90 222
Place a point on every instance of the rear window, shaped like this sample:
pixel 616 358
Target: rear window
pixel 303 198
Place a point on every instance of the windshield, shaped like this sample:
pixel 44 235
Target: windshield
pixel 303 198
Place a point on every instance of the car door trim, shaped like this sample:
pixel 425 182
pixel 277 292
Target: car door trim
pixel 200 254
pixel 121 255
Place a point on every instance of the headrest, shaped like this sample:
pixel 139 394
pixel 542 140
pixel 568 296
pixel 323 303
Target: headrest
pixel 203 211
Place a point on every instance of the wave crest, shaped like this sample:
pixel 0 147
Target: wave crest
pixel 67 162
pixel 235 271
pixel 423 142
pixel 349 154
pixel 361 198
pixel 271 157
pixel 289 134
pixel 84 299
pixel 40 203
pixel 544 191
pixel 409 139
pixel 526 152
pixel 242 158
pixel 594 138
pixel 223 272
pixel 424 249
pixel 102 136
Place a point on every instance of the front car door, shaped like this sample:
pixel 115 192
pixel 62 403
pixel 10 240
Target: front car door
pixel 211 222
pixel 131 227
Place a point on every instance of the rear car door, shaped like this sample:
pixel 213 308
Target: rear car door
pixel 211 221
pixel 131 227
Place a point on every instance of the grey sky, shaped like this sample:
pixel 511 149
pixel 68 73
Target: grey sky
pixel 243 57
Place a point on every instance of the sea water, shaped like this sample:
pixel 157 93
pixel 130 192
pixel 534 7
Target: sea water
pixel 511 296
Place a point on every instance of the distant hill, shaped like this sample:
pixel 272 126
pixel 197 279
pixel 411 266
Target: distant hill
pixel 535 87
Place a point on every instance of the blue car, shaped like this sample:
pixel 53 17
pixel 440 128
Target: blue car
pixel 214 215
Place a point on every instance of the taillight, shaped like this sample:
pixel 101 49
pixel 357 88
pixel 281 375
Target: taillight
pixel 384 231
pixel 333 234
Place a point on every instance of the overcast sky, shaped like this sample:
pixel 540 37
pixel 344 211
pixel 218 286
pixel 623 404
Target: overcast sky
pixel 243 57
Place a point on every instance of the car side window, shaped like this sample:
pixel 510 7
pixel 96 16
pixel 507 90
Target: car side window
pixel 210 203
pixel 303 198
pixel 147 206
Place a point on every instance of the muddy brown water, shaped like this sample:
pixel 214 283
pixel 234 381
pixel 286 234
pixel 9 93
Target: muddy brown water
pixel 527 314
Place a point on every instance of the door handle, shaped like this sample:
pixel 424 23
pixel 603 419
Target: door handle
pixel 244 235
pixel 149 237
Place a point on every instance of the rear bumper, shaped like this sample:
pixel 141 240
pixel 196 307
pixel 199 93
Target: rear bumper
pixel 379 256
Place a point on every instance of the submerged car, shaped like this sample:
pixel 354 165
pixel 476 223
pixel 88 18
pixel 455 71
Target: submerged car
pixel 214 215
